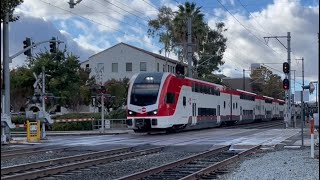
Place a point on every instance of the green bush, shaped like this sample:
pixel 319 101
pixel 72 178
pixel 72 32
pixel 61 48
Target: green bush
pixel 72 126
pixel 18 119
pixel 77 116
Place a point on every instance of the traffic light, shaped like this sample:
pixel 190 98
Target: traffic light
pixel 286 84
pixel 286 67
pixel 53 45
pixel 27 43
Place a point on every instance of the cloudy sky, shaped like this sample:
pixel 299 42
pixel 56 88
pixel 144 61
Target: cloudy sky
pixel 94 25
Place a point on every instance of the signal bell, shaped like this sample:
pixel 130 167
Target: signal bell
pixel 286 84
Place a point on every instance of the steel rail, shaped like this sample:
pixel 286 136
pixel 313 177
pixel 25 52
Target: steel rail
pixel 220 165
pixel 78 165
pixel 8 155
pixel 159 169
pixel 51 162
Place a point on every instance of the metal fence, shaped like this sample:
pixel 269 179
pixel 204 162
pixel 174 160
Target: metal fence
pixel 110 124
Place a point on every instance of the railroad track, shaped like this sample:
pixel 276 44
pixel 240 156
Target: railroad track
pixel 27 151
pixel 65 164
pixel 259 125
pixel 201 166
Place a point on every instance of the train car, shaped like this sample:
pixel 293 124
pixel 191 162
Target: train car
pixel 163 101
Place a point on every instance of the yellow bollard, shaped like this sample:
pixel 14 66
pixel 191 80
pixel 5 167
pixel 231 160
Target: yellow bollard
pixel 28 131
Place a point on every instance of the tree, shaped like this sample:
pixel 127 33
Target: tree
pixel 66 79
pixel 264 82
pixel 9 6
pixel 171 28
pixel 118 89
pixel 21 88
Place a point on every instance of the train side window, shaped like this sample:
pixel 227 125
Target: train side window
pixel 236 105
pixel 224 104
pixel 218 110
pixel 170 98
pixel 184 101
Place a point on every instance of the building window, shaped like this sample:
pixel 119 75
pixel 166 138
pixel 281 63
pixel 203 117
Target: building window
pixel 128 67
pixel 168 70
pixel 114 67
pixel 158 67
pixel 100 67
pixel 164 66
pixel 143 66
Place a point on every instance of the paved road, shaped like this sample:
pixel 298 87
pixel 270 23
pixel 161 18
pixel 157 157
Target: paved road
pixel 203 137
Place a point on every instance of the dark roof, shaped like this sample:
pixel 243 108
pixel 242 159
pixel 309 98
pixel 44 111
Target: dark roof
pixel 142 50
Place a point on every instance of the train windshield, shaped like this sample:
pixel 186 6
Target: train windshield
pixel 144 94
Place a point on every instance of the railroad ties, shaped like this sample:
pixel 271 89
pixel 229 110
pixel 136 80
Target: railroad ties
pixel 71 163
pixel 206 165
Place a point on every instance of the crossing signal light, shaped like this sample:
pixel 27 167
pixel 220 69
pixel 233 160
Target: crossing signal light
pixel 179 69
pixel 103 90
pixel 286 67
pixel 53 45
pixel 27 43
pixel 286 84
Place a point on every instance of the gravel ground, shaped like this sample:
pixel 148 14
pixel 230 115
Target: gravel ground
pixel 278 165
pixel 122 168
pixel 39 157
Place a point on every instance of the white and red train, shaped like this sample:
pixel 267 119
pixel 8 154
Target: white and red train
pixel 164 101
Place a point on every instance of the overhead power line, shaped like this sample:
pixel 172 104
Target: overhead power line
pixel 96 22
pixel 246 28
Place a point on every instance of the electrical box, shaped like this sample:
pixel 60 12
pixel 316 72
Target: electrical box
pixel 316 120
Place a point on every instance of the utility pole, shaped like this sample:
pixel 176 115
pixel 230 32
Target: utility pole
pixel 243 81
pixel 294 106
pixel 288 92
pixel 43 128
pixel 189 45
pixel 5 116
pixel 302 103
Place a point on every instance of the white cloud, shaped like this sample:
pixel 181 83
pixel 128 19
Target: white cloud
pixel 277 19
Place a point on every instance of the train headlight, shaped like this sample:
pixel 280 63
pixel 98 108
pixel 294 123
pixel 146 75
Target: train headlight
pixel 155 112
pixel 149 78
pixel 130 112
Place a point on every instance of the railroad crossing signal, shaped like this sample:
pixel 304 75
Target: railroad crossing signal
pixel 286 67
pixel 286 84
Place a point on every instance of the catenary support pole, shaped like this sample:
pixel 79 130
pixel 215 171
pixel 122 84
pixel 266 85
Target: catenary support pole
pixel 189 53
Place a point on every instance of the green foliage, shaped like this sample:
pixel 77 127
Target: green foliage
pixel 18 119
pixel 171 28
pixel 9 6
pixel 72 126
pixel 21 88
pixel 66 79
pixel 264 82
pixel 119 89
pixel 118 114
pixel 77 116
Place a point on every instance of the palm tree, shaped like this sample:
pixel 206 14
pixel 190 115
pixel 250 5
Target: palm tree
pixel 199 27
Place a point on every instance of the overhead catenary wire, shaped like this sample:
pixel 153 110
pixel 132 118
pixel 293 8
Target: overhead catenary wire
pixel 250 32
pixel 96 22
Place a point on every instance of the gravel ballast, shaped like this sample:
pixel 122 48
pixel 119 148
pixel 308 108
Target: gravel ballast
pixel 278 165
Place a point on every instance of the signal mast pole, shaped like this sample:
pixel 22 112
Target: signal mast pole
pixel 288 75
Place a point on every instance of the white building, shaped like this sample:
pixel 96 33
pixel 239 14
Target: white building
pixel 123 60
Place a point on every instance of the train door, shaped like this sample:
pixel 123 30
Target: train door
pixel 230 104
pixel 194 113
